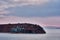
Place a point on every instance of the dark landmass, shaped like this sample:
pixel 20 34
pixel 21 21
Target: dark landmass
pixel 21 28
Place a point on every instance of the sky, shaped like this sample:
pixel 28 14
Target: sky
pixel 42 12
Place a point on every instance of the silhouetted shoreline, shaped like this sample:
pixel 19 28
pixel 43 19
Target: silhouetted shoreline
pixel 22 28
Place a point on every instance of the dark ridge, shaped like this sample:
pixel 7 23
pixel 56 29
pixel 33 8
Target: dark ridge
pixel 21 28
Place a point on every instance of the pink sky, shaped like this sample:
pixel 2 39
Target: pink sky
pixel 42 12
pixel 43 21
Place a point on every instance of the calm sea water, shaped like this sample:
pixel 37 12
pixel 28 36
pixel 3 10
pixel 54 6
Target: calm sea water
pixel 52 34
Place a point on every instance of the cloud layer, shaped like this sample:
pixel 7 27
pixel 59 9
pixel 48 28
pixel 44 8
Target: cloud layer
pixel 5 4
pixel 41 10
pixel 14 3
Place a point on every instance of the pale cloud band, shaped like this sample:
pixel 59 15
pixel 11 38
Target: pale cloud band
pixel 5 4
pixel 13 3
pixel 30 2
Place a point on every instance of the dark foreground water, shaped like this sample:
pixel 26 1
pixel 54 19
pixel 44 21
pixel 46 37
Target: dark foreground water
pixel 52 34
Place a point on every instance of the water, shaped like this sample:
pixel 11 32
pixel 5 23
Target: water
pixel 52 34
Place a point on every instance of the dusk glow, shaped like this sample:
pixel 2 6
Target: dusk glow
pixel 42 12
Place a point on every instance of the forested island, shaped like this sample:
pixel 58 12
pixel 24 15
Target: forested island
pixel 21 28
